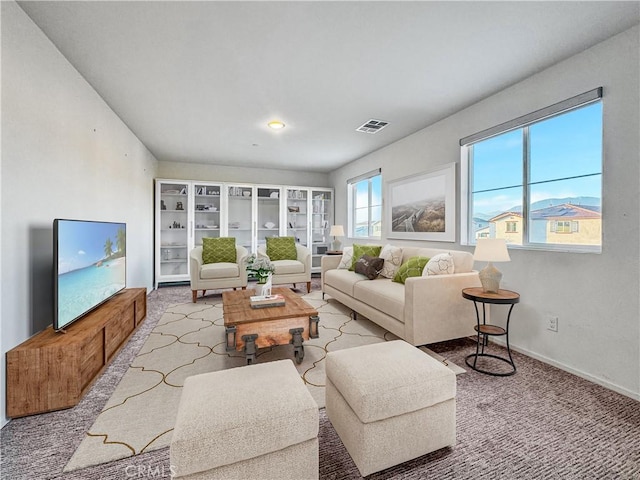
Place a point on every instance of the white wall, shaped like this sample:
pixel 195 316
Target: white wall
pixel 222 173
pixel 64 154
pixel 595 296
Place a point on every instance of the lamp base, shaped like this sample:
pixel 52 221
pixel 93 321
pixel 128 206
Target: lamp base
pixel 336 245
pixel 490 278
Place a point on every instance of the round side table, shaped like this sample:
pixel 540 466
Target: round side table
pixel 503 297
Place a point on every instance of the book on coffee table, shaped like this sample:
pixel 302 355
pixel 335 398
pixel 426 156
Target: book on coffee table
pixel 262 301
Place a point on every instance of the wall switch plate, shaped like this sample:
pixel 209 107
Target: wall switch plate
pixel 552 323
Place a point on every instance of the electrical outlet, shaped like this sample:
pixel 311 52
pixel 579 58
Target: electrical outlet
pixel 552 323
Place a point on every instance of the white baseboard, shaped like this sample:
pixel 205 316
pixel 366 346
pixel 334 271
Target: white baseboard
pixel 566 368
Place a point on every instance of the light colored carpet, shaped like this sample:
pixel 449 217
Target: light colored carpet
pixel 188 340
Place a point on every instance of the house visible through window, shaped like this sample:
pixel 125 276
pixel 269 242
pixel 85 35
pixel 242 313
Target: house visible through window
pixel 365 205
pixel 537 181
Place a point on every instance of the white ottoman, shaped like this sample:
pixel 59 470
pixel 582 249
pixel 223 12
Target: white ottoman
pixel 257 421
pixel 390 402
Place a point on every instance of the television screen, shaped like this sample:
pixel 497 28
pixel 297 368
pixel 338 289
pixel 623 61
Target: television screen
pixel 89 266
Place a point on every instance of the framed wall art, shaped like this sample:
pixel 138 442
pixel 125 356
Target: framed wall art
pixel 423 206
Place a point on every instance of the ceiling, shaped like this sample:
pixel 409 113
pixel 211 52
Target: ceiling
pixel 198 81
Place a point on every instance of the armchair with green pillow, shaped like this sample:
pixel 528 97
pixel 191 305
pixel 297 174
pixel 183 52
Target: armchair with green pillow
pixel 218 263
pixel 292 261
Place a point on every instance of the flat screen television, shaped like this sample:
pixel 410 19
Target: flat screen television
pixel 90 266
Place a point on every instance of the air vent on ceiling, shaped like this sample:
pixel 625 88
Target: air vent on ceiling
pixel 372 126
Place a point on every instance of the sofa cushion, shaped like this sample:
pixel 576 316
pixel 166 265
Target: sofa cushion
pixel 369 266
pixel 212 271
pixel 439 265
pixel 411 268
pixel 281 248
pixel 382 294
pixel 392 257
pixel 343 280
pixel 217 250
pixel 284 267
pixel 347 258
pixel 359 250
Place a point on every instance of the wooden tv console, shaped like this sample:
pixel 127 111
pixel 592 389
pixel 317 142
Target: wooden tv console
pixel 53 370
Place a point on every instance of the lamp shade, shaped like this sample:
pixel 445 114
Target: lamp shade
pixel 491 250
pixel 337 231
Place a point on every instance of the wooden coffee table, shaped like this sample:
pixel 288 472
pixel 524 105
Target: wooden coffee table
pixel 248 329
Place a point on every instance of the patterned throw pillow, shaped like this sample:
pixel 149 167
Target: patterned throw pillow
pixel 281 248
pixel 359 250
pixel 412 268
pixel 369 266
pixel 218 250
pixel 392 257
pixel 347 258
pixel 439 265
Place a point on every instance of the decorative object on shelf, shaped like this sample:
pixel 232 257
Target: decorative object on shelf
pixel 162 205
pixel 274 195
pixel 293 209
pixel 260 268
pixel 269 225
pixel 336 231
pixel 491 250
pixel 246 193
pixel 179 206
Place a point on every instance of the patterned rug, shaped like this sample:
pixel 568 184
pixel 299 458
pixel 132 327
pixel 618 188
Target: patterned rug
pixel 188 340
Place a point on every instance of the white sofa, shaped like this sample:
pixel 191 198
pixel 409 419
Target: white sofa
pixel 423 310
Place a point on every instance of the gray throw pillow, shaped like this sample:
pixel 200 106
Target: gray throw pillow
pixel 369 266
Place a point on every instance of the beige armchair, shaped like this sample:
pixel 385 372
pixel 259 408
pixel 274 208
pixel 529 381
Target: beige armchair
pixel 211 276
pixel 291 271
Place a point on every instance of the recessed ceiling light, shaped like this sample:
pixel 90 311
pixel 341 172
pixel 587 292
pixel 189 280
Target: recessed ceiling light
pixel 276 124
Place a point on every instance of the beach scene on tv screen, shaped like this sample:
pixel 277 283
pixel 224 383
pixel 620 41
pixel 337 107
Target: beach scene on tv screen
pixel 91 265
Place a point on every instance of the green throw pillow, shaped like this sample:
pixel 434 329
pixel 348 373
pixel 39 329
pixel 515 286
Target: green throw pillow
pixel 281 248
pixel 412 268
pixel 359 250
pixel 218 250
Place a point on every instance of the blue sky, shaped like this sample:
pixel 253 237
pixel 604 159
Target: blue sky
pixel 567 145
pixel 82 243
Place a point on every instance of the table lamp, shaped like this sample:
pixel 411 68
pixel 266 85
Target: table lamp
pixel 491 250
pixel 336 231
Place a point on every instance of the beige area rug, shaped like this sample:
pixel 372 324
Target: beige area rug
pixel 189 340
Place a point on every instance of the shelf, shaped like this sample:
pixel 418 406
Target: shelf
pixel 174 211
pixel 174 260
pixel 173 246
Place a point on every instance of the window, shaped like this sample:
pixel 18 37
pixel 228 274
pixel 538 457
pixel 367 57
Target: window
pixel 560 226
pixel 365 205
pixel 538 178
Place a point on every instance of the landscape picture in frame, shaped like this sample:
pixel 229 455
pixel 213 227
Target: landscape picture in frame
pixel 423 206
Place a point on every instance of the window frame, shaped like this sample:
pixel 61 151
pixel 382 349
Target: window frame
pixel 523 123
pixel 351 204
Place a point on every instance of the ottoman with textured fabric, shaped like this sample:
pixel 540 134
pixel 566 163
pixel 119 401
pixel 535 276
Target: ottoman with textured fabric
pixel 256 421
pixel 390 402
